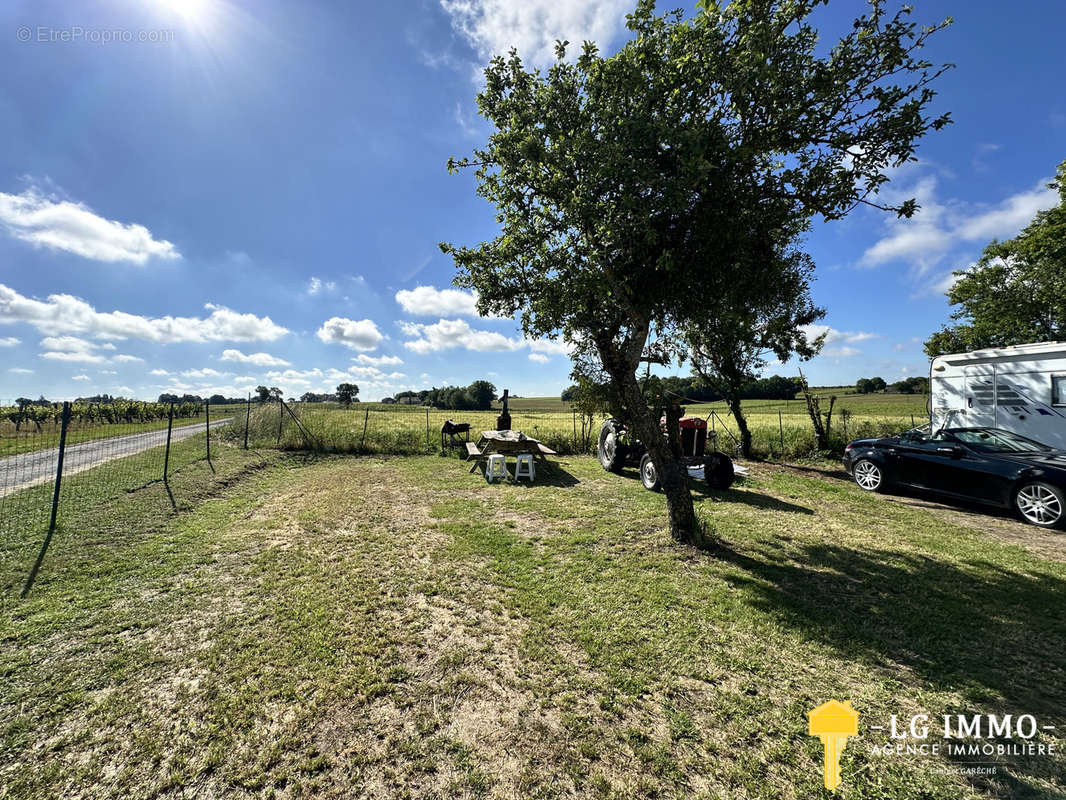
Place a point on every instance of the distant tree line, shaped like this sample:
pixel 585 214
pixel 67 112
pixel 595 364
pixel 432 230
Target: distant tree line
pixel 915 385
pixel 696 389
pixel 215 399
pixel 478 396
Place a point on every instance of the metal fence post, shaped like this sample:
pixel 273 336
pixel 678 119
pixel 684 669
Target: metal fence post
pixel 247 418
pixel 573 418
pixel 166 454
pixel 207 426
pixel 781 430
pixel 366 419
pixel 55 501
pixel 427 430
pixel 281 419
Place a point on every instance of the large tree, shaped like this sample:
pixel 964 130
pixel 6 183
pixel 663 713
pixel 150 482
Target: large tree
pixel 741 328
pixel 346 393
pixel 631 188
pixel 1016 293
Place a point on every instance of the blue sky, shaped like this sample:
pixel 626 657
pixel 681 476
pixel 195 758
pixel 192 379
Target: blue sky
pixel 206 195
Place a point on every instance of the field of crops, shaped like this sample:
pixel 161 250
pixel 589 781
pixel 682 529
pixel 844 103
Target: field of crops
pixel 780 429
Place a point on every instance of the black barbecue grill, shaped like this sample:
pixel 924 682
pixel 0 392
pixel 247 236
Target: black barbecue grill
pixel 454 434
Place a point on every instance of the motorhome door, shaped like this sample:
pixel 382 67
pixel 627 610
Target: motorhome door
pixel 981 396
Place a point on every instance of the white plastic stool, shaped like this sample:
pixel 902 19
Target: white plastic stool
pixel 526 460
pixel 496 467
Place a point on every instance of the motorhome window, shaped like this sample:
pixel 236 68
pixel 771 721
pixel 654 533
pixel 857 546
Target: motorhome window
pixel 1058 390
pixel 992 440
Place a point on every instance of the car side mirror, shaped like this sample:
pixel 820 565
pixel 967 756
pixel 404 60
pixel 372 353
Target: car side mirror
pixel 950 450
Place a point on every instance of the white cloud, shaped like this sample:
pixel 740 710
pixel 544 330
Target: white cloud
pixel 63 225
pixel 539 357
pixel 842 352
pixel 428 301
pixel 549 347
pixel 75 350
pixel 258 359
pixel 1011 215
pixel 492 27
pixel 80 378
pixel 72 344
pixel 20 371
pixel 360 334
pixel 158 372
pixel 294 374
pixel 833 336
pixel 82 357
pixel 64 313
pixel 207 372
pixel 127 358
pixel 939 227
pixel 8 341
pixel 451 333
pixel 378 361
pixel 318 286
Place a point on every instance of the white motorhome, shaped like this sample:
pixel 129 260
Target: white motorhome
pixel 1020 389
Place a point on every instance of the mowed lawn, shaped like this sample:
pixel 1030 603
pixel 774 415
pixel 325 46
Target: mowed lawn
pixel 380 627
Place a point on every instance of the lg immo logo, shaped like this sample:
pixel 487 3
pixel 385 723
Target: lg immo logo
pixel 833 723
pixel 961 740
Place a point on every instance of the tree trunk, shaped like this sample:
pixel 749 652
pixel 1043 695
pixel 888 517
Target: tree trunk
pixel 673 476
pixel 733 401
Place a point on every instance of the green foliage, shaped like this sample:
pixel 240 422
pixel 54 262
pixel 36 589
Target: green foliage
pixel 346 393
pixel 915 385
pixel 265 395
pixel 633 189
pixel 1016 293
pixel 482 393
pixel 478 396
pixel 869 385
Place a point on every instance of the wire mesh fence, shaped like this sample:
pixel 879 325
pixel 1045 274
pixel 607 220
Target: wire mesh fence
pixel 778 430
pixel 55 458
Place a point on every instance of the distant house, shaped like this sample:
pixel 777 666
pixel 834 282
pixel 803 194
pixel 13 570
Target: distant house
pixel 389 401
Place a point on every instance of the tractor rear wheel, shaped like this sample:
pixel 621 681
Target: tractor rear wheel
pixel 718 471
pixel 608 450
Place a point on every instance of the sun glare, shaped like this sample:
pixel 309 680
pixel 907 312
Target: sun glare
pixel 195 11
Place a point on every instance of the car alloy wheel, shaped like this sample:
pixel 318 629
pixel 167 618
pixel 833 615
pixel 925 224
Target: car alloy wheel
pixel 1040 504
pixel 868 475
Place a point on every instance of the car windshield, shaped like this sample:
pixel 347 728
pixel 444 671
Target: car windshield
pixel 990 440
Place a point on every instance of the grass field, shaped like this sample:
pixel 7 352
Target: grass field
pixel 394 627
pixel 379 428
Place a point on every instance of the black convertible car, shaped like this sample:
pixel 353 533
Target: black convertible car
pixel 986 465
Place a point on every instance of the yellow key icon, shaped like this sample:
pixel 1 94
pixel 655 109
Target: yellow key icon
pixel 833 722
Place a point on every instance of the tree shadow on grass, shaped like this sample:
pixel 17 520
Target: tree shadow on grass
pixel 550 474
pixel 971 626
pixel 748 497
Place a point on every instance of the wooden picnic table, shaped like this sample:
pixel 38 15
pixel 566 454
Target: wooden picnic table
pixel 508 443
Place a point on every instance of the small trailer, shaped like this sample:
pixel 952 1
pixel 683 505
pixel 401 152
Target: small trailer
pixel 1020 389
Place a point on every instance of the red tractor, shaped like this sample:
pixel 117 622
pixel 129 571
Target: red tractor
pixel 618 448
